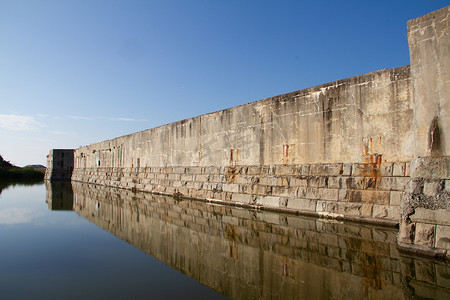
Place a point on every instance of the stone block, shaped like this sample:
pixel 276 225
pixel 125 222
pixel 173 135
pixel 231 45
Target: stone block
pixel 293 192
pixel 407 169
pixel 194 170
pixel 305 170
pixel 344 195
pixel 244 198
pixel 313 193
pixel 399 169
pixel 284 170
pixel 186 177
pixel 386 169
pixel 240 179
pixel 358 183
pixel 321 206
pixel 323 181
pixel 313 181
pixel 392 183
pixel 386 212
pixel 230 187
pixel 179 170
pixel 363 170
pixel 302 204
pixel 282 181
pixel 268 201
pixel 281 191
pixel 347 169
pixel 443 237
pixel 431 167
pixel 425 234
pixel 316 169
pixel 201 177
pixel 198 185
pixel 301 192
pixel 368 196
pixel 253 170
pixel 298 181
pixel 262 189
pixel 335 182
pixel 367 210
pixel 350 209
pixel 330 194
pixel 268 180
pixel 177 184
pixel 332 207
pixel 438 216
pixel 173 176
pixel 161 176
pixel 325 169
pixel 396 198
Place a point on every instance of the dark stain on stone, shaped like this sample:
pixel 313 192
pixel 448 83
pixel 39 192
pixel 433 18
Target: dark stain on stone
pixel 434 137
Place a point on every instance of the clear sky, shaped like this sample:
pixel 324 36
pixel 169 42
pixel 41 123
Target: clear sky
pixel 77 72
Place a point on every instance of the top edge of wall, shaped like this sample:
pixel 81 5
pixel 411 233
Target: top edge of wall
pixel 400 72
pixel 429 16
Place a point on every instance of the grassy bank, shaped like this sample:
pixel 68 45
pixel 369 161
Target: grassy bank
pixel 19 174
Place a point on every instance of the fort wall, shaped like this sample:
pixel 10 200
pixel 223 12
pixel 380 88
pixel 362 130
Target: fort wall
pixel 371 148
pixel 340 149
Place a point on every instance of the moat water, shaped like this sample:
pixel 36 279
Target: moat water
pixel 81 241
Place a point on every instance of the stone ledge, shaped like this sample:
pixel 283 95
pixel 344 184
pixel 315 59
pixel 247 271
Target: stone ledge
pixel 423 251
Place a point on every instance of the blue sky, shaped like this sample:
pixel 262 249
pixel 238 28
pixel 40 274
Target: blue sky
pixel 74 73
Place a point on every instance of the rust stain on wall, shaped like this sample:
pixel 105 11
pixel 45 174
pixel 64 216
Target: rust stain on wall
pixel 372 159
pixel 285 154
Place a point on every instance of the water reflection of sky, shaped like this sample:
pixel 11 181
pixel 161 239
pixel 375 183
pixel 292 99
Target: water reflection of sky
pixel 59 255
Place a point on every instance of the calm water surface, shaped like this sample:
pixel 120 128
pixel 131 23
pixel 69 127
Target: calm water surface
pixel 81 241
pixel 56 254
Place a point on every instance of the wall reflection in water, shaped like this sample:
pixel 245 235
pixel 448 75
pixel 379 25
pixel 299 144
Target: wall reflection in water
pixel 247 254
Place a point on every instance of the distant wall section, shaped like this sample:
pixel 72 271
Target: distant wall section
pixel 60 164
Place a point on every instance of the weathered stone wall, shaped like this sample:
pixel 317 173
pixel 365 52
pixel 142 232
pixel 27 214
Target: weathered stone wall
pixel 364 119
pixel 372 148
pixel 429 48
pixel 246 254
pixel 340 149
pixel 425 220
pixel 351 191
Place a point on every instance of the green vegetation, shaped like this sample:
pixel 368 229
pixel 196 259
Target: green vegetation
pixel 9 172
